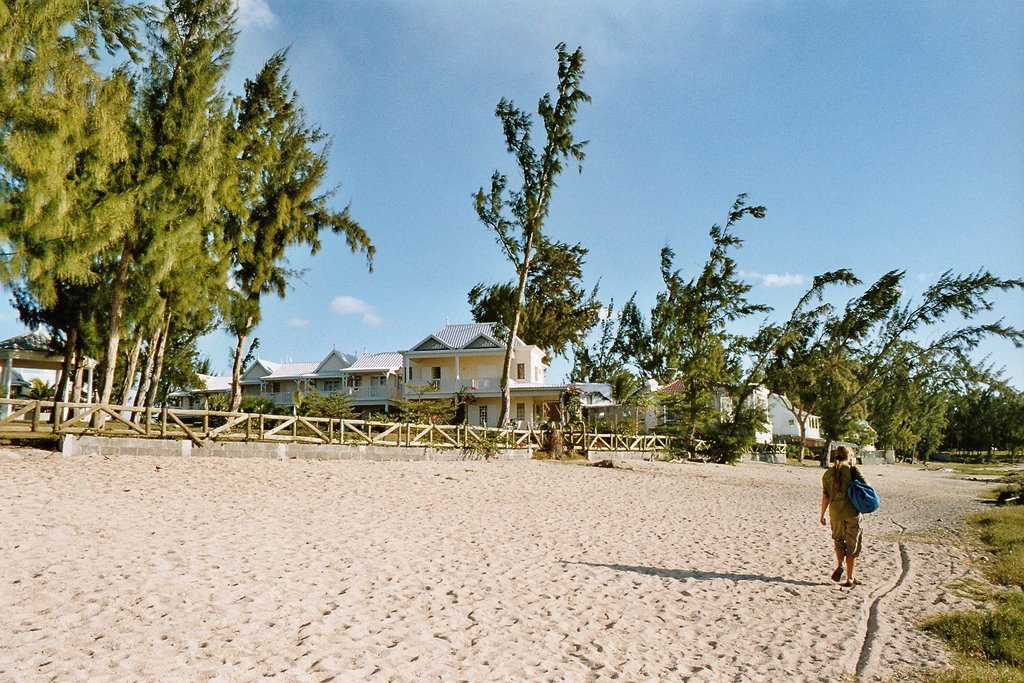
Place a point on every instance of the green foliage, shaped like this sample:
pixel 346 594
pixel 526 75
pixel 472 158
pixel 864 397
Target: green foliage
pixel 987 414
pixel 599 362
pixel 572 406
pixel 219 402
pixel 336 406
pixel 428 411
pixel 687 336
pixel 834 363
pixel 728 439
pixel 485 443
pixel 517 216
pixel 557 311
pixel 273 202
pixel 257 405
pixel 994 636
pixel 40 390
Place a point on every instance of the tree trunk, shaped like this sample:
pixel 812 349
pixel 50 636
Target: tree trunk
pixel 147 371
pixel 117 301
pixel 236 368
pixel 158 366
pixel 506 372
pixel 129 374
pixel 60 392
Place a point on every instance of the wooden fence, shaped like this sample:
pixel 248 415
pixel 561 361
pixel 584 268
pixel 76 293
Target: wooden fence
pixel 37 419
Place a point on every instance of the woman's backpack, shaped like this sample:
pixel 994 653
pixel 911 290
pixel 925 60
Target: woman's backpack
pixel 861 494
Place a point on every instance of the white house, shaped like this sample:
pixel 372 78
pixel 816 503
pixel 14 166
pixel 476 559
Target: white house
pixel 373 381
pixel 470 358
pixel 786 425
pixel 281 381
pixel 198 397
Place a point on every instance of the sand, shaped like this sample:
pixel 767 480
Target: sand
pixel 148 568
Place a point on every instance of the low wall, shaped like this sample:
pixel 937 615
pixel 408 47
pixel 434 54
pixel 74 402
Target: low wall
pixel 72 445
pixel 597 456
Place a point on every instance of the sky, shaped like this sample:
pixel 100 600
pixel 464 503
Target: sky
pixel 878 136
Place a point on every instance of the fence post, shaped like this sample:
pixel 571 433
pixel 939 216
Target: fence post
pixel 163 421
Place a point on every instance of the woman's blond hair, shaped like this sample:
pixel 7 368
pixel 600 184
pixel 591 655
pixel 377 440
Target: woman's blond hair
pixel 842 454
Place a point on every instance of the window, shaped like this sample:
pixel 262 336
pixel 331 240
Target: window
pixel 520 370
pixel 521 412
pixel 483 415
pixel 275 387
pixel 355 381
pixel 435 376
pixel 331 385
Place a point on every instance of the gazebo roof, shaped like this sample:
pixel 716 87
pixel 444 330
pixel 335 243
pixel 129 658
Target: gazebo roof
pixel 33 350
pixel 36 340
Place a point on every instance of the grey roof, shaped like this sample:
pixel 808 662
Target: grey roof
pixel 389 360
pixel 461 335
pixel 37 340
pixel 292 370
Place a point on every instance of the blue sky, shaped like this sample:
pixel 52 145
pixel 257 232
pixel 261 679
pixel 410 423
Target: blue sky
pixel 878 135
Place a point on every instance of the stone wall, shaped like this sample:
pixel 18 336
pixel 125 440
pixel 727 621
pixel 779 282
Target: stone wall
pixel 73 445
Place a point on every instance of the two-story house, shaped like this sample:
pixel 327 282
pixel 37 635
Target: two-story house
pixel 373 382
pixel 469 358
pixel 281 381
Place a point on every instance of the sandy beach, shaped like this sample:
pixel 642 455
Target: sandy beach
pixel 190 569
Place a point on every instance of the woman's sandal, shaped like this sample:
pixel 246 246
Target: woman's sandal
pixel 837 575
pixel 851 583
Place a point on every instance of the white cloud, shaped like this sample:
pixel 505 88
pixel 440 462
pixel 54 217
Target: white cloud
pixel 349 305
pixel 775 279
pixel 297 322
pixel 255 13
pixel 786 280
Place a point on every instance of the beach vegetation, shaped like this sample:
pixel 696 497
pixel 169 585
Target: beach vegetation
pixel 337 406
pixel 686 335
pixel 273 200
pixel 517 216
pixel 135 198
pixel 557 313
pixel 863 361
pixel 990 642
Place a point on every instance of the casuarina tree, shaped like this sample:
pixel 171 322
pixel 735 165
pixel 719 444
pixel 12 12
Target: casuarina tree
pixel 517 216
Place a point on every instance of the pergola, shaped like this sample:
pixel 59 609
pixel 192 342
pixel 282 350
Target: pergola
pixel 32 351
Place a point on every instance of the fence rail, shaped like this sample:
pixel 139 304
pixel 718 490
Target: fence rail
pixel 32 418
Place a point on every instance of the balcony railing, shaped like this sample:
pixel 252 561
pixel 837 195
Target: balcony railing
pixel 454 386
pixel 371 393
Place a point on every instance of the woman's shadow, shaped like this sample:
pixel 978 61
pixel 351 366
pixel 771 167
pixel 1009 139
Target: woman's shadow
pixel 681 574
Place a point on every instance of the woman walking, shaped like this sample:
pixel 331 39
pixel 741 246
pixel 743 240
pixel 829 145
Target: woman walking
pixel 843 516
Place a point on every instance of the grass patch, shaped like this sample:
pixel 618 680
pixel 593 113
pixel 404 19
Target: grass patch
pixel 990 643
pixel 1002 529
pixel 996 635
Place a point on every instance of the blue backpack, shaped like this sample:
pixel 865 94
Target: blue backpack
pixel 861 494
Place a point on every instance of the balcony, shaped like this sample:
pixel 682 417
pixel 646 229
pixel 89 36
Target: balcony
pixel 371 393
pixel 483 385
